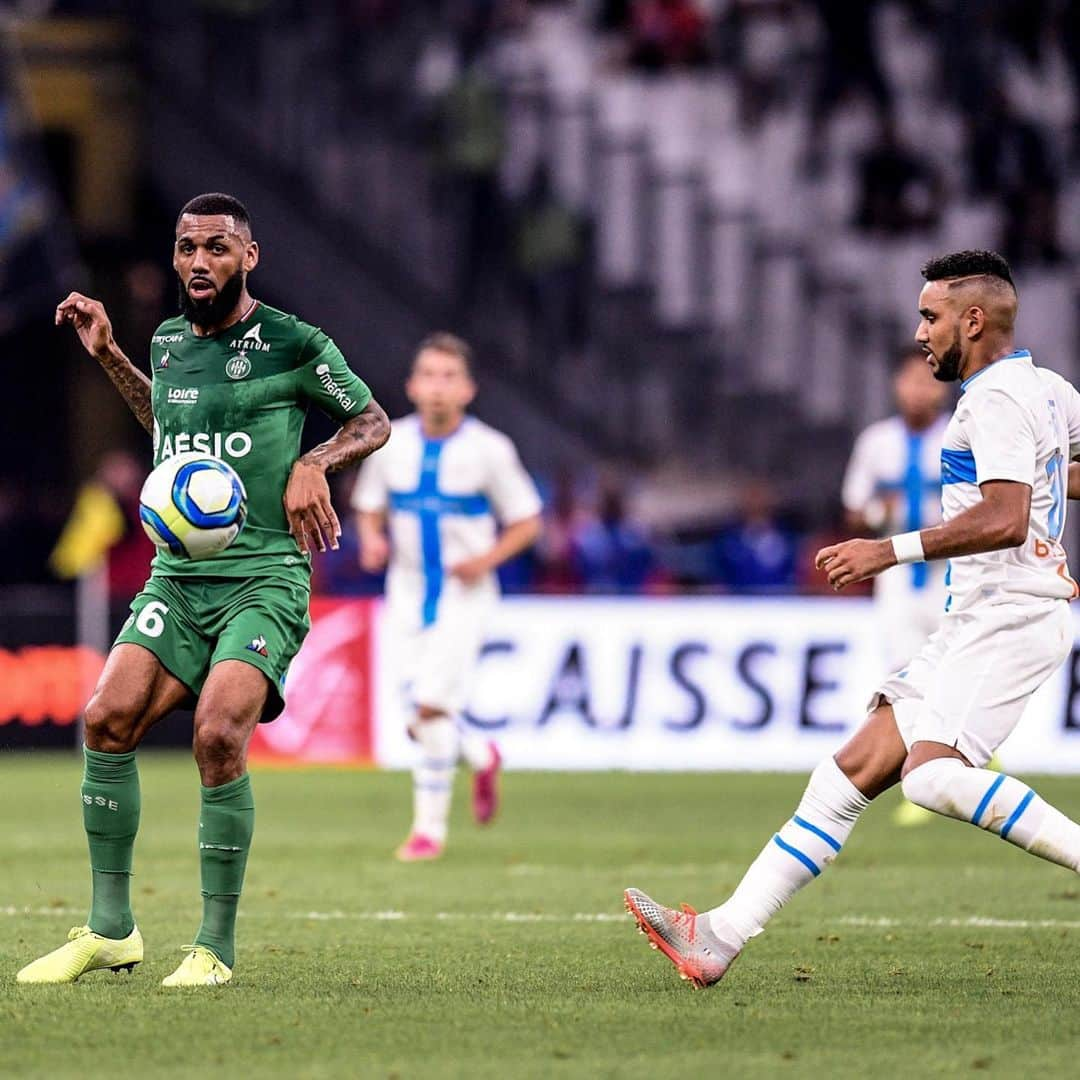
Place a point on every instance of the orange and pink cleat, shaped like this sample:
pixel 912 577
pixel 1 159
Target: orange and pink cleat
pixel 684 937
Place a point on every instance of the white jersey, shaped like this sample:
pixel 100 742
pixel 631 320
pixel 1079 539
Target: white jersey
pixel 894 481
pixel 445 498
pixel 1014 421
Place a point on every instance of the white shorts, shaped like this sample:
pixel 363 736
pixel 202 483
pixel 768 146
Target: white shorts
pixel 435 663
pixel 968 686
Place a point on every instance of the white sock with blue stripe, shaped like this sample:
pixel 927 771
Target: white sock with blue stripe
pixel 433 777
pixel 796 855
pixel 997 803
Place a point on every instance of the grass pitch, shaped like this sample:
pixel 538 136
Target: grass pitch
pixel 933 951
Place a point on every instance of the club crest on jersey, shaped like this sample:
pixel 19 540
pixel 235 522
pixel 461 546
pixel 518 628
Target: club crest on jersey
pixel 258 644
pixel 251 341
pixel 239 367
pixel 164 361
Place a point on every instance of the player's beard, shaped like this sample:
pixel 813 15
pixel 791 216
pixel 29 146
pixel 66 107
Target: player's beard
pixel 217 308
pixel 948 367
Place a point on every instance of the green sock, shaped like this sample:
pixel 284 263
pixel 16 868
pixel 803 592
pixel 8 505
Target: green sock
pixel 110 802
pixel 225 827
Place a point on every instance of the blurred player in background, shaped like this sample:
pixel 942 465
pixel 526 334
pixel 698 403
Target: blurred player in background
pixel 933 725
pixel 429 506
pixel 893 484
pixel 228 370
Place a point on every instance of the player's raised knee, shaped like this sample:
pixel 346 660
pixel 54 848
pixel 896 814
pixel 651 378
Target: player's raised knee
pixel 929 784
pixel 110 723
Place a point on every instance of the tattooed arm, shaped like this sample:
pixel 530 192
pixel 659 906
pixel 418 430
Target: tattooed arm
pixel 354 440
pixel 307 495
pixel 94 330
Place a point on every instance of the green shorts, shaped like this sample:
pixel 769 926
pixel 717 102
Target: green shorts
pixel 190 624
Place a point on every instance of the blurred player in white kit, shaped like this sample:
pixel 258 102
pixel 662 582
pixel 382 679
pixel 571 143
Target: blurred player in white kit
pixel 443 505
pixel 893 484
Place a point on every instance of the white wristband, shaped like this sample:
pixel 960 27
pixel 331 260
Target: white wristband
pixel 907 547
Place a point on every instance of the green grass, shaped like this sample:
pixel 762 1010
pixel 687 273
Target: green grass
pixel 871 968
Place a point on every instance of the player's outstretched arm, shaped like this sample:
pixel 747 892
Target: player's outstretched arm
pixel 512 541
pixel 94 330
pixel 307 494
pixel 999 520
pixel 359 436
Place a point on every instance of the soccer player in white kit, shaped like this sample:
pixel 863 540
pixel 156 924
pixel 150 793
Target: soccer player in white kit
pixel 893 484
pixel 443 486
pixel 934 724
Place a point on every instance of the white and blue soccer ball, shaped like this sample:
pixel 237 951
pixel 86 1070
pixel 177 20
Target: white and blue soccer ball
pixel 193 505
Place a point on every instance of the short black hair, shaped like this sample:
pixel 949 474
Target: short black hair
pixel 216 202
pixel 959 264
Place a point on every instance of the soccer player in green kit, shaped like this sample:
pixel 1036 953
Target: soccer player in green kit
pixel 231 377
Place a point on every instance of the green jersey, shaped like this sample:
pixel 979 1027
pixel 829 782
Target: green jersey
pixel 242 395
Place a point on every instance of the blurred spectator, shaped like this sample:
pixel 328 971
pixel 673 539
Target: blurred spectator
pixel 611 552
pixel 850 62
pixel 550 253
pixel 104 526
pixel 558 570
pixel 899 190
pixel 470 149
pixel 757 551
pixel 667 34
pixel 1011 158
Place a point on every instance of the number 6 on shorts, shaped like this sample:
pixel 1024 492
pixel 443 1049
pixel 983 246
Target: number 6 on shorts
pixel 150 621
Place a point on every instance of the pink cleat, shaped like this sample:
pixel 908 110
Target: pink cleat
pixel 485 792
pixel 418 848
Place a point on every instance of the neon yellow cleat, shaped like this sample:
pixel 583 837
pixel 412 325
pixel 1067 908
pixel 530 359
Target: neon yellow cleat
pixel 199 968
pixel 85 951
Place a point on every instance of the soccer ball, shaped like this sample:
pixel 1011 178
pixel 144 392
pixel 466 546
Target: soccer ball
pixel 193 505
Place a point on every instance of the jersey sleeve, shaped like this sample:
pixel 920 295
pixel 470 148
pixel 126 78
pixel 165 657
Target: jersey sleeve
pixel 510 489
pixel 1002 438
pixel 859 482
pixel 327 380
pixel 371 493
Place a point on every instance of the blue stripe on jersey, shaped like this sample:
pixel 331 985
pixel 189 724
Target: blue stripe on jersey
pixel 415 502
pixel 430 541
pixel 957 467
pixel 796 853
pixel 948 582
pixel 913 489
pixel 429 504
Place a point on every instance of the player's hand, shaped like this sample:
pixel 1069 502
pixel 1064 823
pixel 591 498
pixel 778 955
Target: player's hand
pixel 89 320
pixel 374 552
pixel 470 571
pixel 854 560
pixel 308 509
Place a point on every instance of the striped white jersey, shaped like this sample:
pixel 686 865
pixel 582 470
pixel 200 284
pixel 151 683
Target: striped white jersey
pixel 1019 422
pixel 445 498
